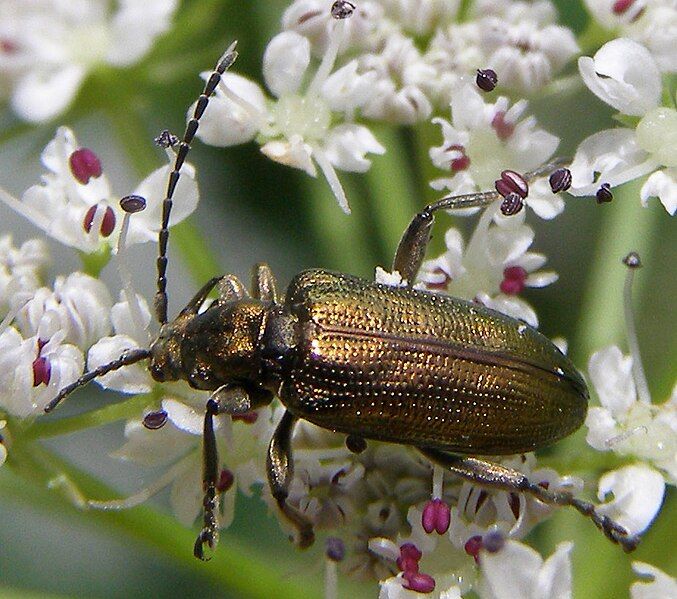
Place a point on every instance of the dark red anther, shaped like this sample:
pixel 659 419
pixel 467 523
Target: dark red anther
pixel 246 417
pixel 419 582
pixel 472 547
pixel 560 180
pixel 42 371
pixel 107 223
pixel 512 182
pixel 604 194
pixel 544 484
pixel 436 516
pixel 514 503
pixel 133 203
pixel 621 6
pixel 493 541
pixel 8 46
pixel 632 260
pixel 462 162
pixel 226 480
pixel 338 476
pixel 410 555
pixel 155 420
pixel 511 205
pixel 486 79
pixel 85 164
pixel 41 344
pixel 342 9
pixel 503 128
pixel 514 280
pixel 335 549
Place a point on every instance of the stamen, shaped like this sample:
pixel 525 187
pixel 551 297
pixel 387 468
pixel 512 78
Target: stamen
pixel 514 279
pixel 493 541
pixel 155 420
pixel 84 165
pixel 226 480
pixel 473 546
pixel 335 549
pixel 342 9
pixel 166 139
pixel 512 182
pixel 336 36
pixel 436 516
pixel 42 371
pixel 145 494
pixel 462 162
pixel 332 178
pixel 107 221
pixel 511 205
pixel 129 203
pixel 335 552
pixel 504 129
pixel 632 261
pixel 560 180
pixel 486 79
pixel 410 555
pixel 419 582
pixel 604 194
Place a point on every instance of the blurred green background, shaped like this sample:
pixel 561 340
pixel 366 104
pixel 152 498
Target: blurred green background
pixel 254 210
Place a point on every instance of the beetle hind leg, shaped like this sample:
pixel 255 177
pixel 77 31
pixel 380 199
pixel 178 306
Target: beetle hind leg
pixel 495 476
pixel 280 467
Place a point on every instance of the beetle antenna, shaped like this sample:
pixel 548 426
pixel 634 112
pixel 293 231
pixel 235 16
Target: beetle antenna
pixel 131 356
pixel 225 62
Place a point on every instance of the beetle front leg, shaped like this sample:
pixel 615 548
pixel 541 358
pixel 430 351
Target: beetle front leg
pixel 495 476
pixel 225 400
pixel 263 283
pixel 280 466
pixel 416 238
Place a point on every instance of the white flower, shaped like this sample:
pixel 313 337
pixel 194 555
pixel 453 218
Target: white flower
pixel 75 205
pixel 626 423
pixel 32 372
pixel 637 496
pixel 661 585
pixel 523 45
pixel 49 46
pixel 302 127
pixel 421 18
pixel 3 442
pixel 484 139
pixel 21 271
pixel 518 571
pixel 652 23
pixel 624 74
pixel 493 269
pixel 78 308
pixel 402 75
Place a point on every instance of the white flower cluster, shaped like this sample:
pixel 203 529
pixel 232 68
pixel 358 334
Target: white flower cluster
pixel 330 68
pixel 48 47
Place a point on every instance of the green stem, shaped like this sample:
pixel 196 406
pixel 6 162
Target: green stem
pixel 394 194
pixel 130 408
pixel 235 566
pixel 627 227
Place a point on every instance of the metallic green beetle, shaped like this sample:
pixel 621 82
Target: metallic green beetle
pixel 452 378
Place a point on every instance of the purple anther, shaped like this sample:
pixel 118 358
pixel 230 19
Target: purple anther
pixel 226 480
pixel 511 205
pixel 512 182
pixel 155 420
pixel 342 9
pixel 410 555
pixel 632 260
pixel 560 180
pixel 42 371
pixel 503 128
pixel 514 280
pixel 604 194
pixel 335 549
pixel 133 204
pixel 473 546
pixel 436 516
pixel 107 223
pixel 84 165
pixel 486 79
pixel 419 582
pixel 494 541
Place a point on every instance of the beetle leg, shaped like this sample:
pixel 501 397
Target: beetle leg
pixel 225 400
pixel 280 467
pixel 415 239
pixel 263 283
pixel 496 476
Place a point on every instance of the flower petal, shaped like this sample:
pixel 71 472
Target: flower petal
pixel 285 61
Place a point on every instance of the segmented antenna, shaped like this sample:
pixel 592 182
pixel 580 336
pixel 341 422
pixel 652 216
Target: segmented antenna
pixel 222 66
pixel 131 356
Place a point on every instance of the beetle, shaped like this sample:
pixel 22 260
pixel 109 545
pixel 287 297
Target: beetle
pixel 452 378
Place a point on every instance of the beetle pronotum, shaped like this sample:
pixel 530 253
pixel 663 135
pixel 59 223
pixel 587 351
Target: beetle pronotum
pixel 367 360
